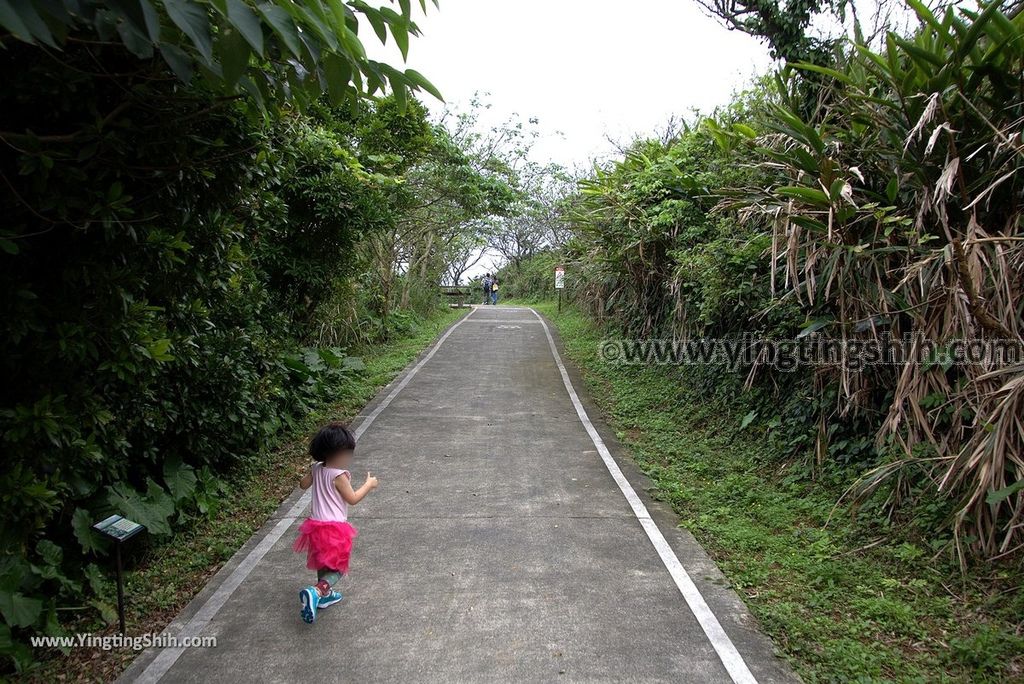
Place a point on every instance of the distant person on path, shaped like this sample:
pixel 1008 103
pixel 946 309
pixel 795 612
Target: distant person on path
pixel 487 288
pixel 494 290
pixel 326 535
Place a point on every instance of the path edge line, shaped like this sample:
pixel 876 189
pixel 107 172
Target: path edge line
pixel 166 657
pixel 720 641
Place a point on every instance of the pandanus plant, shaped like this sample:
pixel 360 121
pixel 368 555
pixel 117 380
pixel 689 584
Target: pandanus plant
pixel 898 210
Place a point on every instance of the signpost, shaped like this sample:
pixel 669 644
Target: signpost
pixel 559 284
pixel 120 529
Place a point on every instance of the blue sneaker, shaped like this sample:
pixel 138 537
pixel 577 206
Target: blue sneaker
pixel 329 600
pixel 310 600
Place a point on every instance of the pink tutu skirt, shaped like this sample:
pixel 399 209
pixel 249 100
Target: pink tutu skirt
pixel 327 544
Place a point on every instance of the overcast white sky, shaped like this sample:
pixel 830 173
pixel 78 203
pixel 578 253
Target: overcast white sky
pixel 591 69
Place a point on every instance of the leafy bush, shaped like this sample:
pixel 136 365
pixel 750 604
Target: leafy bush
pixel 533 279
pixel 869 193
pixel 896 209
pixel 175 253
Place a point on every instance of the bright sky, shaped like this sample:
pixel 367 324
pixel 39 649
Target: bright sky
pixel 590 69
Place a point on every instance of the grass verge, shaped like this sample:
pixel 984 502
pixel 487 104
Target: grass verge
pixel 168 575
pixel 841 602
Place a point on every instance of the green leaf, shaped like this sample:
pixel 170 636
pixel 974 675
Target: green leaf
pixel 194 22
pixel 138 24
pixel 354 363
pixel 245 21
pixel 19 610
pixel 377 22
pixel 12 21
pixel 283 26
pixel 50 553
pixel 401 34
pixel 107 611
pixel 81 525
pixel 926 16
pixel 137 43
pixel 158 350
pixel 338 73
pixel 1001 495
pixel 352 44
pixel 920 56
pixel 333 358
pixel 179 62
pixel 339 13
pixel 151 20
pixel 97 581
pixel 812 195
pixel 797 129
pixel 14 570
pixel 400 93
pixel 744 130
pixel 180 479
pixel 234 53
pixel 297 365
pixel 891 188
pixel 814 326
pixel 419 80
pixel 151 509
pixel 30 26
pixel 838 75
pixel 977 28
pixel 835 191
pixel 747 420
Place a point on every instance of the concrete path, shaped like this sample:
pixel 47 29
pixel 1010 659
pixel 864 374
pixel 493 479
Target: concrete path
pixel 504 544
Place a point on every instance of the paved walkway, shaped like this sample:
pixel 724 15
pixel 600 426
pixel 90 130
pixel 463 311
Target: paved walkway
pixel 504 544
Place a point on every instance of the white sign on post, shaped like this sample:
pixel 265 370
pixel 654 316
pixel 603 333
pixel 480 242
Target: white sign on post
pixel 559 277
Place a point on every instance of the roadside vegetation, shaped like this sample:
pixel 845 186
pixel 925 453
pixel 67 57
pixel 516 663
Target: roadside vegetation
pixel 216 215
pixel 878 196
pixel 871 188
pixel 165 576
pixel 845 598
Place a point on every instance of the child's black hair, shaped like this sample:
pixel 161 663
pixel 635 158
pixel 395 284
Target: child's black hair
pixel 329 440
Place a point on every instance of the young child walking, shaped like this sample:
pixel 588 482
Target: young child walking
pixel 326 535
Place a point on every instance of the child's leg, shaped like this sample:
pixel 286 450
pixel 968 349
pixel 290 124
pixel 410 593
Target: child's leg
pixel 326 578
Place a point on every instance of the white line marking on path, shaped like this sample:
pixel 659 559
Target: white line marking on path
pixel 485 319
pixel 720 641
pixel 500 308
pixel 168 656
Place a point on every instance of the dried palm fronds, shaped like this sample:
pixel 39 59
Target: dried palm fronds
pixel 902 201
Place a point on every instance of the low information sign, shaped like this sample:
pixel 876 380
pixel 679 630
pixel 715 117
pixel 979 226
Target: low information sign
pixel 118 527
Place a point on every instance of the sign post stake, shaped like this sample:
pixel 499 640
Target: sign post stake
pixel 559 284
pixel 120 529
pixel 120 588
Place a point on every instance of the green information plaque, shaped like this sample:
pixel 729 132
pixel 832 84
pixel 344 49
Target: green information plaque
pixel 118 527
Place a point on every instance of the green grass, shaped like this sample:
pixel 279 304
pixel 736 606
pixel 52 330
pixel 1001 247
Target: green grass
pixel 167 576
pixel 842 602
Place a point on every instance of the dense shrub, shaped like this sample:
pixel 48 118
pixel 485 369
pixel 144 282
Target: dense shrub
pixel 878 195
pixel 532 279
pixel 185 273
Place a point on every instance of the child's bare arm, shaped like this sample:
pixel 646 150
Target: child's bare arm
pixel 353 496
pixel 307 480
